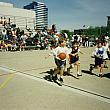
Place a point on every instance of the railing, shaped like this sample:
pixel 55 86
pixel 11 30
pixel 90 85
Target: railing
pixel 21 22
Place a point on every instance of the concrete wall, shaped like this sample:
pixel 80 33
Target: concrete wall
pixel 6 4
pixel 21 17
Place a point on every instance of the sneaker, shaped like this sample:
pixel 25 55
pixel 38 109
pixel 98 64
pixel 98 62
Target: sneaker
pixel 54 77
pixel 51 78
pixel 61 80
pixel 79 75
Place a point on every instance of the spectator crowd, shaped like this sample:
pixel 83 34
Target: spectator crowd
pixel 13 38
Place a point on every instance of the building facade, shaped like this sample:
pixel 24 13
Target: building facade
pixel 22 18
pixel 108 21
pixel 41 12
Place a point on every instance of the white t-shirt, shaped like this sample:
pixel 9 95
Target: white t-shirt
pixel 99 52
pixel 59 50
pixel 105 56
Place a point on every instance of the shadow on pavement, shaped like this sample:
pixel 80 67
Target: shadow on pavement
pixel 50 73
pixel 49 78
pixel 68 74
pixel 88 72
pixel 107 75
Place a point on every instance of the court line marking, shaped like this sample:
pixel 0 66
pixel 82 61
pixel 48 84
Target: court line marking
pixel 5 74
pixel 40 68
pixel 65 86
pixel 11 75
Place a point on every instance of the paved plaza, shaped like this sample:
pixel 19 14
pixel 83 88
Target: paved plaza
pixel 24 83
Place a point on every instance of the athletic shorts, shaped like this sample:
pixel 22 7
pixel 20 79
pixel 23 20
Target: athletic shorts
pixel 98 61
pixel 73 59
pixel 60 63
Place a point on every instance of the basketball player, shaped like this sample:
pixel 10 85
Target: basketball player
pixel 60 54
pixel 74 58
pixel 99 52
pixel 105 56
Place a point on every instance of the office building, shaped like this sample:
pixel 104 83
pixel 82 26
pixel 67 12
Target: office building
pixel 108 21
pixel 41 12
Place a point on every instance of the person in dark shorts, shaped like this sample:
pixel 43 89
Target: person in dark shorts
pixel 60 63
pixel 98 54
pixel 74 58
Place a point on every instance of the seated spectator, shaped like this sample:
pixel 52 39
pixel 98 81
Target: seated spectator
pixel 1 21
pixel 3 46
pixel 14 46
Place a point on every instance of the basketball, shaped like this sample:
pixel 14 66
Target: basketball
pixel 62 56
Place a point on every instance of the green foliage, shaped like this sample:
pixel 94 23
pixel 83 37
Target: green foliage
pixel 97 31
pixel 91 32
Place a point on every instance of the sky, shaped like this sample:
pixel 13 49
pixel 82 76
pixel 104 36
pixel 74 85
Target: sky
pixel 72 14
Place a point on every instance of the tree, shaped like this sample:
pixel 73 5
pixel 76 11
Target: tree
pixel 97 31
